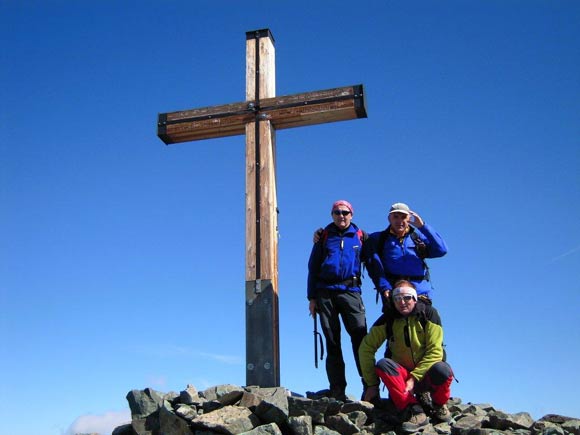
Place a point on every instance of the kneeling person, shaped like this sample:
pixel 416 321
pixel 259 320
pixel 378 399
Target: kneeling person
pixel 414 359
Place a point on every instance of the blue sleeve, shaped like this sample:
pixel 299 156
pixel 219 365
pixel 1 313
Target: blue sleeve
pixel 436 246
pixel 313 269
pixel 374 264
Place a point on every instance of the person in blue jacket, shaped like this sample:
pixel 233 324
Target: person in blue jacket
pixel 334 291
pixel 399 252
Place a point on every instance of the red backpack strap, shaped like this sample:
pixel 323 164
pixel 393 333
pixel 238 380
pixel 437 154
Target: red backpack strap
pixel 323 237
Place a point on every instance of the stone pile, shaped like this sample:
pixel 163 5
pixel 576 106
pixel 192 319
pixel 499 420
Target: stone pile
pixel 233 410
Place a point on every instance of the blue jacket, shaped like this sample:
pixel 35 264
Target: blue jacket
pixel 335 260
pixel 399 258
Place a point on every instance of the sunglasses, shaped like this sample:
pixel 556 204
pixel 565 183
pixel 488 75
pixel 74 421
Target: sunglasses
pixel 340 212
pixel 405 298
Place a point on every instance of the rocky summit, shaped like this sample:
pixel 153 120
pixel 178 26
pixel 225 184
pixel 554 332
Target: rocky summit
pixel 233 410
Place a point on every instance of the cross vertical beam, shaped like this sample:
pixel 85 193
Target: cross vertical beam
pixel 259 116
pixel 262 319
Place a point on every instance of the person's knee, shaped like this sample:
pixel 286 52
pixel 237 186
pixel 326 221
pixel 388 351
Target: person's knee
pixel 356 326
pixel 440 372
pixel 387 366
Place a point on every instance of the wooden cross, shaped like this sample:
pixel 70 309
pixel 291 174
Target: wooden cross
pixel 259 117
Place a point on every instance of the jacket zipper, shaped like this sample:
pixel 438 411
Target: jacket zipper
pixel 408 341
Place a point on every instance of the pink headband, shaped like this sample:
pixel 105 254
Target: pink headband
pixel 343 203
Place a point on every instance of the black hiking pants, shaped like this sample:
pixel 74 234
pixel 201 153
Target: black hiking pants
pixel 332 305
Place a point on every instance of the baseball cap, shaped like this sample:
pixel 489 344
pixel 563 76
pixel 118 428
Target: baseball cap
pixel 400 207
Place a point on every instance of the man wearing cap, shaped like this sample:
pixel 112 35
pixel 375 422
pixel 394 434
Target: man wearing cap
pixel 414 359
pixel 400 250
pixel 334 289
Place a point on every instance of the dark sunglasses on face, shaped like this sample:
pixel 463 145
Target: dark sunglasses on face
pixel 341 212
pixel 405 298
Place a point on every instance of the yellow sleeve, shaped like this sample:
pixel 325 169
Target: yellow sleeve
pixel 433 351
pixel 367 350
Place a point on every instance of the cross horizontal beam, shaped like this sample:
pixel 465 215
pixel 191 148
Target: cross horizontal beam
pixel 310 108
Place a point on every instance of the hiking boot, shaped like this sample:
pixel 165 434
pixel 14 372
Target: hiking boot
pixel 338 395
pixel 441 413
pixel 416 418
pixel 424 399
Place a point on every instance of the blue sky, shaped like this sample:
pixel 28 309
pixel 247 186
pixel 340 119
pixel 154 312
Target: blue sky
pixel 122 259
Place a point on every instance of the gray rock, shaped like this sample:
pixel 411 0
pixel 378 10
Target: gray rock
pixel 459 407
pixel 144 402
pixel 210 406
pixel 222 393
pixel 186 412
pixel 468 422
pixel 273 408
pixel 146 425
pixel 334 406
pixel 231 410
pixel 301 425
pixel 556 418
pixel 475 410
pixel 169 423
pixel 485 431
pixel 358 418
pixel 171 396
pixel 229 420
pixel 429 430
pixel 502 421
pixel 349 407
pixel 190 396
pixel 316 409
pixel 250 401
pixel 323 430
pixel 265 429
pixel 341 424
pixel 485 406
pixel 442 428
pixel 572 426
pixel 125 429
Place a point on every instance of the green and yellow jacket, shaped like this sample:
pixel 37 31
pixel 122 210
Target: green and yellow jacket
pixel 415 341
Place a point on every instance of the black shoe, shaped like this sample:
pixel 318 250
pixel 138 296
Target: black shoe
pixel 338 395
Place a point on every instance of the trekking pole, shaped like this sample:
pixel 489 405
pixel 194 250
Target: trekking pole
pixel 317 338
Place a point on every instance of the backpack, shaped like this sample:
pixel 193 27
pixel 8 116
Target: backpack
pixel 420 311
pixel 420 247
pixel 423 312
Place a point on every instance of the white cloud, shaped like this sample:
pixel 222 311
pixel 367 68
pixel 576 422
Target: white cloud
pixel 158 381
pixel 102 424
pixel 172 351
pixel 566 254
pixel 227 359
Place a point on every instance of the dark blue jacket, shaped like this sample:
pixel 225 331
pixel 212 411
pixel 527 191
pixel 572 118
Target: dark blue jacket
pixel 335 260
pixel 399 258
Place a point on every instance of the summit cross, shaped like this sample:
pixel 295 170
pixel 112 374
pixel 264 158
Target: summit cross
pixel 258 118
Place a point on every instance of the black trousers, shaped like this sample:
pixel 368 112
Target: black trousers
pixel 332 305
